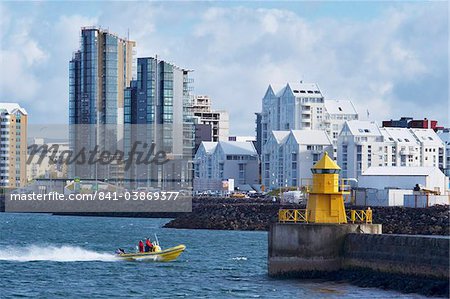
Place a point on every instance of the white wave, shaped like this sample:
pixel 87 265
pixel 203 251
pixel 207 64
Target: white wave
pixel 52 253
pixel 239 258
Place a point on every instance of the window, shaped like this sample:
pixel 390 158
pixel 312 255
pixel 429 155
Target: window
pixel 241 173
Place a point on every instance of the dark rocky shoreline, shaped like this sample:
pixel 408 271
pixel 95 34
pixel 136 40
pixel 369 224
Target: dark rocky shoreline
pixel 257 214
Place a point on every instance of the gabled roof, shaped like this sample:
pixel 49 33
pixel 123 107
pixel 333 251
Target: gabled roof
pixel 269 91
pixel 209 146
pixel 363 128
pixel 340 107
pixel 427 136
pixel 307 90
pixel 311 137
pixel 237 148
pixel 282 91
pixel 12 108
pixel 444 135
pixel 280 136
pixel 400 170
pixel 326 163
pixel 402 135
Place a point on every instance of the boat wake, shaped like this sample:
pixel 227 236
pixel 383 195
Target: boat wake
pixel 52 253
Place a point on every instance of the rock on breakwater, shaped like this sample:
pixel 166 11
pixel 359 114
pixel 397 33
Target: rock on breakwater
pixel 257 214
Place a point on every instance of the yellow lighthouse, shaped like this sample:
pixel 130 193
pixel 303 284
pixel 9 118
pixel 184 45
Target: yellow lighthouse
pixel 326 200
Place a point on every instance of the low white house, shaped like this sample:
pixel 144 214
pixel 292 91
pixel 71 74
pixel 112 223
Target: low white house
pixel 394 177
pixel 216 162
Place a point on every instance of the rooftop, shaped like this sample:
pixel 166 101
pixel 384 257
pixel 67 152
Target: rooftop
pixel 12 107
pixel 363 128
pixel 311 137
pixel 209 146
pixel 301 89
pixel 280 136
pixel 237 148
pixel 326 163
pixel 428 136
pixel 340 107
pixel 402 135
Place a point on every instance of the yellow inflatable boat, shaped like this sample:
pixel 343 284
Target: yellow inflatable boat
pixel 158 255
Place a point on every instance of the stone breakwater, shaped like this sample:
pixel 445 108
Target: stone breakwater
pixel 257 214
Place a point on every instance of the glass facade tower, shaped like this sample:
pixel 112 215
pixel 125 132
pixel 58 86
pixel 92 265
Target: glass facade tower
pixel 98 74
pixel 156 110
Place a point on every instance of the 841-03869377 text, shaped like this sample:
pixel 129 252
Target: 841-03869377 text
pixel 137 195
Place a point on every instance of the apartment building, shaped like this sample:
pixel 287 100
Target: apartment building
pixel 302 106
pixel 288 156
pixel 210 125
pixel 215 162
pixel 363 144
pixel 444 134
pixel 99 71
pixel 13 145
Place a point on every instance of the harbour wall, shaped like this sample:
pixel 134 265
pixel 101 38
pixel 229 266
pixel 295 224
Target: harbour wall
pixel 360 254
pixel 400 254
pixel 307 249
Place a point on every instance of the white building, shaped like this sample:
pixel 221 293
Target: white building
pixel 272 160
pixel 302 106
pixel 47 160
pixel 394 186
pixel 217 120
pixel 13 145
pixel 215 162
pixel 444 134
pixel 396 177
pixel 336 113
pixel 362 144
pixel 288 156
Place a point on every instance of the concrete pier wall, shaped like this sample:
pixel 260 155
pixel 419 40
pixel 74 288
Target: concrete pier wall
pixel 401 254
pixel 299 249
pixel 312 250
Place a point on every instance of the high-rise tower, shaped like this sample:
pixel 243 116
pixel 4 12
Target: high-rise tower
pixel 98 74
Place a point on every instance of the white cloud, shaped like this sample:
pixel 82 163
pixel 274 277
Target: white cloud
pixel 15 82
pixel 239 51
pixel 382 64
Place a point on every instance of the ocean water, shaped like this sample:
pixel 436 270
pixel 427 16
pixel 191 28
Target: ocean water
pixel 72 257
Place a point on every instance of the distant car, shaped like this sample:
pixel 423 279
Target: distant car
pixel 238 195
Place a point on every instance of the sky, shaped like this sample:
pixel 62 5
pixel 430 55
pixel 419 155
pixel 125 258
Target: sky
pixel 390 58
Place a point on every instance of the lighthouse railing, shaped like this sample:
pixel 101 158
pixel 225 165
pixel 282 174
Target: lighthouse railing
pixel 293 215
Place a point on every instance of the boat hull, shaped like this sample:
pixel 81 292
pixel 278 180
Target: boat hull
pixel 165 255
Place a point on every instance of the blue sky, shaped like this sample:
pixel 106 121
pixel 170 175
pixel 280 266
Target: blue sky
pixel 390 58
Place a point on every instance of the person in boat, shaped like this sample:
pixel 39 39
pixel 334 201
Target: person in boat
pixel 141 246
pixel 148 245
pixel 120 251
